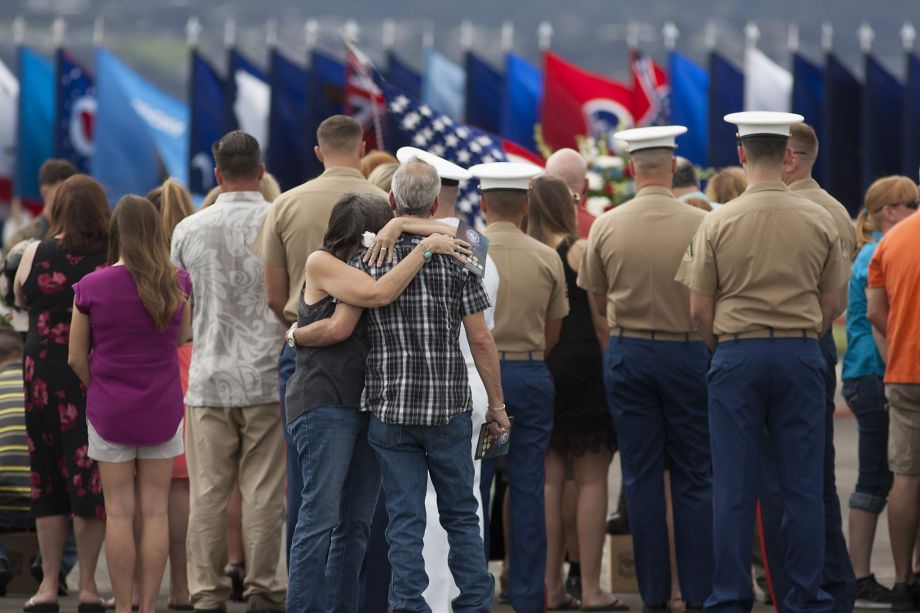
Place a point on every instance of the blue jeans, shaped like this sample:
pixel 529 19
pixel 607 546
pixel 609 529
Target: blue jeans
pixel 341 482
pixel 407 455
pixel 866 398
pixel 777 384
pixel 657 394
pixel 529 395
pixel 374 591
pixel 294 476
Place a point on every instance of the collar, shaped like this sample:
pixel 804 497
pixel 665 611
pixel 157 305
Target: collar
pixel 877 235
pixel 503 226
pixel 696 194
pixel 767 186
pixel 342 171
pixel 654 190
pixel 239 197
pixel 803 184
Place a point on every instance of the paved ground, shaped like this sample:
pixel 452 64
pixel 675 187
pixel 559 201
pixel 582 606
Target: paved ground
pixel 846 441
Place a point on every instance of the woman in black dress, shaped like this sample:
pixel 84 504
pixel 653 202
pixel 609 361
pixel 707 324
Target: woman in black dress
pixel 65 481
pixel 582 424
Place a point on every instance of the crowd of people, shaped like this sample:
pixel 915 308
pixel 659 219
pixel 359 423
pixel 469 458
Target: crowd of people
pixel 343 341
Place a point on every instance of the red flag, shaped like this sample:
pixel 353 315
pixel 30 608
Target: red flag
pixel 578 102
pixel 650 90
pixel 517 153
pixel 363 99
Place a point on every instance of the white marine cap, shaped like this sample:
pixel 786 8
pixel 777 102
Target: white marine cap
pixel 505 175
pixel 653 137
pixel 446 170
pixel 752 123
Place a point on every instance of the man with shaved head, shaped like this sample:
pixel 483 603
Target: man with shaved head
pixel 569 165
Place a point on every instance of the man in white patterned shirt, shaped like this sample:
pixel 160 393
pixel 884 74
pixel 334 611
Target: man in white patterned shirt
pixel 233 422
pixel 418 392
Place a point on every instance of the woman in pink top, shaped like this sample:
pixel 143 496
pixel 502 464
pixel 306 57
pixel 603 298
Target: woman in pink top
pixel 127 322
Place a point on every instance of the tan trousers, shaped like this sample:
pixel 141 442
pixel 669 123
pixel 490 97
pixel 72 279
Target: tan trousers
pixel 223 444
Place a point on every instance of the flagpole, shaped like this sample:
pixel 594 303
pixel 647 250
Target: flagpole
pixel 507 37
pixel 58 30
pixel 230 33
pixel 545 35
pixel 827 37
pixel 98 30
pixel 792 38
pixel 428 35
pixel 271 33
pixel 866 35
pixel 192 32
pixel 310 34
pixel 709 36
pixel 467 34
pixel 908 36
pixel 19 31
pixel 388 35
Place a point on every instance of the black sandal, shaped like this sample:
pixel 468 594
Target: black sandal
pixel 236 572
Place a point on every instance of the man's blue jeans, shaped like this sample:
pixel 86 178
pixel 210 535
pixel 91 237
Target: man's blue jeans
pixel 407 455
pixel 341 482
pixel 294 477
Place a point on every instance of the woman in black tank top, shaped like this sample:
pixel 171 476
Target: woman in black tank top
pixel 583 431
pixel 340 474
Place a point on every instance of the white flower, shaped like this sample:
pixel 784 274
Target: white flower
pixel 595 181
pixel 596 205
pixel 606 162
pixel 367 239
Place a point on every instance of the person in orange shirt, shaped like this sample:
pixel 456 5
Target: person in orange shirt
pixel 893 294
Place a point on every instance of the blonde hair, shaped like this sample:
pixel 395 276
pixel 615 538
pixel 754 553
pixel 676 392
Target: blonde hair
pixel 269 187
pixel 375 158
pixel 726 185
pixel 211 198
pixel 551 209
pixel 883 192
pixel 382 176
pixel 174 204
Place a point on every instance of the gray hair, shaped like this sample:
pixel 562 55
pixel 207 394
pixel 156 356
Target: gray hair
pixel 415 187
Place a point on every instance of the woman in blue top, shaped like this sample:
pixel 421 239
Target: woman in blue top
pixel 888 201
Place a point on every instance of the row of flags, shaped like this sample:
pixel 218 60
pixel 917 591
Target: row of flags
pixel 129 134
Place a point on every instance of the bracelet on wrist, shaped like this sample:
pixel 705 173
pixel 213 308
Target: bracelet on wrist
pixel 499 408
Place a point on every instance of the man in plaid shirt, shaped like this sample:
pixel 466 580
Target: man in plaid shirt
pixel 416 388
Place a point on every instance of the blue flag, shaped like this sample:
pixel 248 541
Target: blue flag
pixel 521 101
pixel 690 107
pixel 726 95
pixel 36 123
pixel 206 124
pixel 75 112
pixel 325 97
pixel 910 162
pixel 288 154
pixel 842 146
pixel 808 100
pixel 883 99
pixel 247 99
pixel 443 85
pixel 401 75
pixel 141 132
pixel 410 122
pixel 485 87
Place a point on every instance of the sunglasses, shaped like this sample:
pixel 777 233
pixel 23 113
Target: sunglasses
pixel 910 204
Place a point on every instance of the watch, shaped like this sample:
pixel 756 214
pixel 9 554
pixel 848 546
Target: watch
pixel 289 337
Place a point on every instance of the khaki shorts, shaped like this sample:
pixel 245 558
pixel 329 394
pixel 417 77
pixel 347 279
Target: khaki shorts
pixel 903 428
pixel 102 450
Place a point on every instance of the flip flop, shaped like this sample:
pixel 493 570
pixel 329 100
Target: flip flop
pixel 570 604
pixel 616 605
pixel 91 607
pixel 180 607
pixel 40 607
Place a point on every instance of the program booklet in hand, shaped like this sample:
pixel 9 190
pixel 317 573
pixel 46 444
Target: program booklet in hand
pixel 479 245
pixel 493 445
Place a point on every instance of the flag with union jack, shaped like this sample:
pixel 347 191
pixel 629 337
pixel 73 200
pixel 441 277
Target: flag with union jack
pixel 651 92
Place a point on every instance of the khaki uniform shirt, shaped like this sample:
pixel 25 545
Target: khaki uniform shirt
pixel 633 253
pixel 846 231
pixel 297 221
pixel 531 288
pixel 766 257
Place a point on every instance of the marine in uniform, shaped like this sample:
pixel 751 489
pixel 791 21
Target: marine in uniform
pixel 839 580
pixel 655 369
pixel 764 274
pixel 441 588
pixel 528 316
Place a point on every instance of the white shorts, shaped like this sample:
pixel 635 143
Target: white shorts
pixel 103 451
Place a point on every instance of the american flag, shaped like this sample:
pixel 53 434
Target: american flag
pixel 411 122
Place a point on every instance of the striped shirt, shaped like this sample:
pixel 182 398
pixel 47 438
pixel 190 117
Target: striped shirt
pixel 15 479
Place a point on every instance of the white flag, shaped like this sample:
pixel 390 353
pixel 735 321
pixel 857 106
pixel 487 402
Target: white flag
pixel 253 97
pixel 767 85
pixel 9 111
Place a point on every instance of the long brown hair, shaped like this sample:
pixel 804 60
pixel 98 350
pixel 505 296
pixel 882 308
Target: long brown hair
pixel 81 214
pixel 138 241
pixel 552 210
pixel 174 203
pixel 883 192
pixel 726 185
